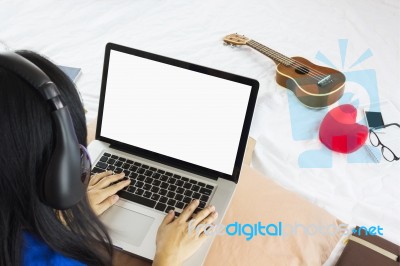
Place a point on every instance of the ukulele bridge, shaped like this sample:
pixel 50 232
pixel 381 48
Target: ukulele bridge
pixel 325 81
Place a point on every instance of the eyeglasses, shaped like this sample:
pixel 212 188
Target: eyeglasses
pixel 86 165
pixel 387 153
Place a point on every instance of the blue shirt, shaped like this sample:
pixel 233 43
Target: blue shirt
pixel 35 252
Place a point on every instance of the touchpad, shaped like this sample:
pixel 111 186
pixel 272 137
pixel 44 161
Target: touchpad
pixel 128 226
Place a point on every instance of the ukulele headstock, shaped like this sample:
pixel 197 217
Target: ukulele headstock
pixel 236 39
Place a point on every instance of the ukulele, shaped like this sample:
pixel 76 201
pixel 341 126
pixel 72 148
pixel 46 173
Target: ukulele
pixel 315 86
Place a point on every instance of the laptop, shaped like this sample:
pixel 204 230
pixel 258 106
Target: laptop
pixel 178 131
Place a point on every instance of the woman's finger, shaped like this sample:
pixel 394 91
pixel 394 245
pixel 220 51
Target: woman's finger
pixel 200 216
pixel 107 203
pixel 108 180
pixel 208 231
pixel 111 190
pixel 210 218
pixel 97 177
pixel 188 211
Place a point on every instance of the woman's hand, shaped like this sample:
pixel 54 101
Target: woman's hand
pixel 100 194
pixel 174 241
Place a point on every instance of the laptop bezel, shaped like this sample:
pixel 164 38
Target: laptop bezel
pixel 186 166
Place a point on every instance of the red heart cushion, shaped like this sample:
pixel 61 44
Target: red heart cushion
pixel 340 132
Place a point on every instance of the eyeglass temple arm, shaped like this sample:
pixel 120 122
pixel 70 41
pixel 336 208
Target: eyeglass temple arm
pixel 388 125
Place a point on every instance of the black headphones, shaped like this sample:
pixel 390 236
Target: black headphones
pixel 67 175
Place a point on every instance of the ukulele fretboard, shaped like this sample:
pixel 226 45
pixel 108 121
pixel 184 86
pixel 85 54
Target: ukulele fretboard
pixel 274 55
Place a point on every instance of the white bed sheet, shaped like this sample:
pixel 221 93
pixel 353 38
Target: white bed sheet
pixel 74 33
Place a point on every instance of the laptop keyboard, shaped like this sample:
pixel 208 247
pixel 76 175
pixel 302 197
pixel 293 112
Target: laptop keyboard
pixel 153 187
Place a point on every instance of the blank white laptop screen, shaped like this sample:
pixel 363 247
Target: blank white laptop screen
pixel 173 111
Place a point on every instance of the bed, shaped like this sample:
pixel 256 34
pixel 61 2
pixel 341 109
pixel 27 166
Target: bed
pixel 354 36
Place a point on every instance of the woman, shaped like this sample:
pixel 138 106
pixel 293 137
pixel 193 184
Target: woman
pixel 31 233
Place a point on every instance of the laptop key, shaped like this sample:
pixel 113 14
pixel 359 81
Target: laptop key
pixel 103 159
pixel 135 198
pixel 164 178
pixel 210 187
pixel 118 170
pixel 144 166
pixel 171 180
pixel 126 172
pixel 179 205
pixel 196 195
pixel 202 204
pixel 139 191
pixel 172 187
pixel 171 202
pixel 101 165
pixel 114 157
pixel 146 186
pixel 179 183
pixel 111 161
pixel 201 184
pixel 126 166
pixel 204 198
pixel 156 175
pixel 133 175
pixel 205 191
pixel 162 192
pixel 177 176
pixel 156 182
pixel 141 178
pixel 147 194
pixel 137 164
pixel 129 161
pixel 97 170
pixel 180 190
pixel 106 154
pixel 111 167
pixel 155 189
pixel 193 181
pixel 160 206
pixel 184 179
pixel 168 174
pixel 169 208
pixel 187 185
pixel 163 199
pixel 178 197
pixel 155 196
pixel 170 194
pixel 188 193
pixel 160 171
pixel 187 200
pixel 133 168
pixel 153 169
pixel 164 185
pixel 118 164
pixel 139 184
pixel 149 180
pixel 131 189
pixel 122 159
pixel 140 171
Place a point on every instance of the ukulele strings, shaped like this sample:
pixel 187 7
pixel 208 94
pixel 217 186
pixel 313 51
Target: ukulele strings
pixel 290 61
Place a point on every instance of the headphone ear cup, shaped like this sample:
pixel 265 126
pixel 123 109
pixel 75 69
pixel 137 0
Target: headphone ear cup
pixel 61 187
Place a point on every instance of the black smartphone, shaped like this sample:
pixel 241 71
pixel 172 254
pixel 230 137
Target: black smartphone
pixel 374 119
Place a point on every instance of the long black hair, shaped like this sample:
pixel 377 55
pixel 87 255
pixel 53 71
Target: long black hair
pixel 26 143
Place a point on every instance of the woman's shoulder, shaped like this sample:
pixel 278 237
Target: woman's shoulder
pixel 35 252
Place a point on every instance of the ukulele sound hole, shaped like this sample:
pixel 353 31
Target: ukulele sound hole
pixel 302 70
